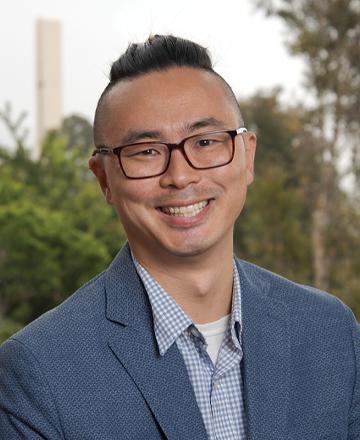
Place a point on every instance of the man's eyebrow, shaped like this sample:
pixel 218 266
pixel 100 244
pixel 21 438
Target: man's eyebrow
pixel 138 135
pixel 133 136
pixel 204 123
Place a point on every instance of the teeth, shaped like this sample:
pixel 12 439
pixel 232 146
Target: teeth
pixel 185 211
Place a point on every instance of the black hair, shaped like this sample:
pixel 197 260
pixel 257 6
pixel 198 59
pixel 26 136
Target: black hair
pixel 157 53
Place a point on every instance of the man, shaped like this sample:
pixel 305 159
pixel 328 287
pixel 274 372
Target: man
pixel 177 339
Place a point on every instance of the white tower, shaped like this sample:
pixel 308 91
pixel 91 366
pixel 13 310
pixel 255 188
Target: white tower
pixel 48 78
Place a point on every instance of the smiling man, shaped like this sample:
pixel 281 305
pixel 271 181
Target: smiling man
pixel 178 339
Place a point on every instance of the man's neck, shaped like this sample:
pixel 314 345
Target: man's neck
pixel 201 285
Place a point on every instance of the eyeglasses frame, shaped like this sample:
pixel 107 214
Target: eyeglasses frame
pixel 181 146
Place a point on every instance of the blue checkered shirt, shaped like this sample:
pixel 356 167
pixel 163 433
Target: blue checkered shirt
pixel 218 388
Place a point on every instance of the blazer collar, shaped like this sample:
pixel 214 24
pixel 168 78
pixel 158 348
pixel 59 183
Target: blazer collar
pixel 162 380
pixel 126 300
pixel 266 360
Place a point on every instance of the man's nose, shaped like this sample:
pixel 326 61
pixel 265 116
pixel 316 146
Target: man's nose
pixel 179 173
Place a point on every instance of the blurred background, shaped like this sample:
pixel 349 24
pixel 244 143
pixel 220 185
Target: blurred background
pixel 295 69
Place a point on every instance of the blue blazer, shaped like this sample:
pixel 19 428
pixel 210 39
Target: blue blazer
pixel 90 368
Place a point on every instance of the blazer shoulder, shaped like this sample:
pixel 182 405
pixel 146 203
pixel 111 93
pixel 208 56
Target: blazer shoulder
pixel 298 297
pixel 68 318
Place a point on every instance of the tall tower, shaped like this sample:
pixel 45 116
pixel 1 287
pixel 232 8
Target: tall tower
pixel 48 78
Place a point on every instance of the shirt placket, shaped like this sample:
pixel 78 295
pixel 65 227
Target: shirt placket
pixel 221 406
pixel 208 368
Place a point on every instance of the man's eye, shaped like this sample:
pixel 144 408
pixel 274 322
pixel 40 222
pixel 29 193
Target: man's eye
pixel 146 152
pixel 149 152
pixel 207 142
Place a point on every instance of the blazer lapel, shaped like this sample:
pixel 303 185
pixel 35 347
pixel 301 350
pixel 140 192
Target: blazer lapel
pixel 266 361
pixel 162 380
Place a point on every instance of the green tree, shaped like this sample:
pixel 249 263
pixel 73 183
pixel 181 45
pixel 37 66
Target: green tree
pixel 276 228
pixel 56 231
pixel 273 230
pixel 327 35
pixel 78 131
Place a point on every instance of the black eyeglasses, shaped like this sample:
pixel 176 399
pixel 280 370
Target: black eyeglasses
pixel 150 159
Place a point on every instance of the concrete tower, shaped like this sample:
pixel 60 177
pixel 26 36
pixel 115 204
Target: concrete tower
pixel 48 78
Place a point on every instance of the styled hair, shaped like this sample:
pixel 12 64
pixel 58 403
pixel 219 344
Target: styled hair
pixel 157 53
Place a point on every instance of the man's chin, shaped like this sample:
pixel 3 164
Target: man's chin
pixel 188 249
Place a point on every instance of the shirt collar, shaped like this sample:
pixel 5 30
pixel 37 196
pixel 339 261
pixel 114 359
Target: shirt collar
pixel 170 321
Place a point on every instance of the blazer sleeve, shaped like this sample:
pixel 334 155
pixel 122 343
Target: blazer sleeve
pixel 27 408
pixel 354 417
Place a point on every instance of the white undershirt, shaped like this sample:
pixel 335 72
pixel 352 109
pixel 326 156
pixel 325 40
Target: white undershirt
pixel 213 333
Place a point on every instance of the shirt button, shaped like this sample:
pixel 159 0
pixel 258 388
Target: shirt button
pixel 195 332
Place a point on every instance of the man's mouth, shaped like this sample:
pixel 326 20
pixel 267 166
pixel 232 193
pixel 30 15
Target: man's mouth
pixel 185 211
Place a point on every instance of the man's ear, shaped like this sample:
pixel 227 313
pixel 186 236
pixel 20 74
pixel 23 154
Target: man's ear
pixel 97 166
pixel 250 148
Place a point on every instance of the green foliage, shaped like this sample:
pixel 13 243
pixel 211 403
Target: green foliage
pixel 8 328
pixel 326 34
pixel 274 127
pixel 56 231
pixel 275 229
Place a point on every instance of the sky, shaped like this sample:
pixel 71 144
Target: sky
pixel 247 48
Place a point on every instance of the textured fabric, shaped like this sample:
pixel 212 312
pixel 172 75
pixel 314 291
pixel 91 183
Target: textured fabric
pixel 218 389
pixel 90 369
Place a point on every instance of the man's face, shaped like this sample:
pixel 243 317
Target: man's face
pixel 169 106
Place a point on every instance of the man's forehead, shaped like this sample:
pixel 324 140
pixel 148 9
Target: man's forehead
pixel 175 80
pixel 182 94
